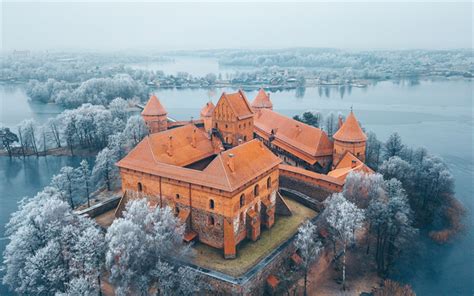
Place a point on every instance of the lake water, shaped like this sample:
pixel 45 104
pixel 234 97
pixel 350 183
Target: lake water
pixel 434 114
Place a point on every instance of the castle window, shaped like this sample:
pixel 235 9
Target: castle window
pixel 226 126
pixel 269 182
pixel 242 200
pixel 216 125
pixel 176 210
pixel 242 218
pixel 256 190
pixel 140 187
pixel 211 204
pixel 245 138
pixel 256 208
pixel 211 221
pixel 177 196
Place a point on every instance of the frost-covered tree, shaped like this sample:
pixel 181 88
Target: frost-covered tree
pixel 373 152
pixel 27 134
pixel 360 188
pixel 80 286
pixel 66 181
pixel 44 235
pixel 138 246
pixel 308 247
pixel 83 174
pixel 330 124
pixel 119 109
pixel 345 219
pixel 105 171
pixel 391 221
pixel 393 146
pixel 135 130
pixel 7 139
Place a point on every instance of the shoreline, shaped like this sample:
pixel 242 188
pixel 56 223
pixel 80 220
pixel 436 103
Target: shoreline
pixel 62 151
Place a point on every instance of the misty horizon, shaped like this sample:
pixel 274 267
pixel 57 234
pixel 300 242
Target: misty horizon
pixel 165 27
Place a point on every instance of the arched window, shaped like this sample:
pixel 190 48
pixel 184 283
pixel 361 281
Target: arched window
pixel 216 125
pixel 177 196
pixel 226 126
pixel 140 187
pixel 242 200
pixel 211 204
pixel 256 190
pixel 211 221
pixel 245 138
pixel 269 182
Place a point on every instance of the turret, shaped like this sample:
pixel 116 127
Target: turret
pixel 349 138
pixel 262 101
pixel 155 116
pixel 206 115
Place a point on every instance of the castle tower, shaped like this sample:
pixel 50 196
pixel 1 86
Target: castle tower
pixel 155 116
pixel 262 101
pixel 206 115
pixel 349 138
pixel 233 118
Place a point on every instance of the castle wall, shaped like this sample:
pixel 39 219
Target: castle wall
pixel 206 220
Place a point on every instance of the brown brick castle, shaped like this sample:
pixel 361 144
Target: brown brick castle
pixel 220 174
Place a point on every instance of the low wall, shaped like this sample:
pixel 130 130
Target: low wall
pixel 101 207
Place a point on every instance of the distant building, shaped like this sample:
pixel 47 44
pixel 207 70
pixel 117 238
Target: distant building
pixel 262 101
pixel 155 116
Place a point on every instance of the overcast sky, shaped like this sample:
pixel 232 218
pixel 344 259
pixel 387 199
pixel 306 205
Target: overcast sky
pixel 165 26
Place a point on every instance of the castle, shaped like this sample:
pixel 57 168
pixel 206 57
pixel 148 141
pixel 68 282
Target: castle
pixel 221 173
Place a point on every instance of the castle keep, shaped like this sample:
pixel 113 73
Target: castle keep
pixel 221 173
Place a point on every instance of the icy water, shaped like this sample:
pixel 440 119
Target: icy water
pixel 434 114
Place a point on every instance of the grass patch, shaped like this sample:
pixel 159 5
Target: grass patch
pixel 249 253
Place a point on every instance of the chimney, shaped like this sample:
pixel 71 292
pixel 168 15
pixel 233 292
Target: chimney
pixel 193 139
pixel 298 129
pixel 170 146
pixel 354 164
pixel 230 162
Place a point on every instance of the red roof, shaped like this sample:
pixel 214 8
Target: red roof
pixel 238 103
pixel 349 163
pixel 154 107
pixel 302 140
pixel 153 155
pixel 207 110
pixel 350 131
pixel 262 100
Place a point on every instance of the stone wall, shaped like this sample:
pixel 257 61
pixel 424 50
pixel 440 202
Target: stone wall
pixel 313 191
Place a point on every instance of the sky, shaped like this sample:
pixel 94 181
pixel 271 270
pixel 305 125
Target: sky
pixel 120 26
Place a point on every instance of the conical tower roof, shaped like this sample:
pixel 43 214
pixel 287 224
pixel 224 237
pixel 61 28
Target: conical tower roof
pixel 154 107
pixel 350 131
pixel 207 110
pixel 262 100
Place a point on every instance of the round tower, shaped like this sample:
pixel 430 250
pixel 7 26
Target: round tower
pixel 349 138
pixel 155 116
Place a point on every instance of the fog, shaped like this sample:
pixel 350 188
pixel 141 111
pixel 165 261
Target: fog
pixel 174 26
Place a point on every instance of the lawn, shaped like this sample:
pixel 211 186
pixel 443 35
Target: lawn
pixel 248 252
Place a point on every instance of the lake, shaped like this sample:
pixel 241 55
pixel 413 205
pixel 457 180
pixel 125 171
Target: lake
pixel 436 114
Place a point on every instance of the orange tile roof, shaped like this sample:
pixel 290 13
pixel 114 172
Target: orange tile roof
pixel 350 131
pixel 207 110
pixel 238 103
pixel 153 107
pixel 251 159
pixel 272 281
pixel 349 163
pixel 304 141
pixel 262 100
pixel 183 151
